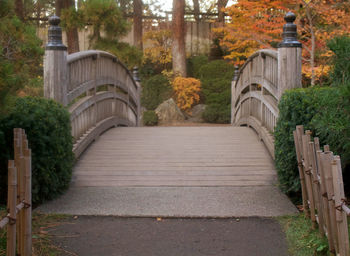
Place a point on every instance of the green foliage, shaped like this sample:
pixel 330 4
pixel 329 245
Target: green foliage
pixel 341 60
pixel 129 55
pixel 324 111
pixel 216 79
pixel 194 64
pixel 47 125
pixel 150 118
pixel 20 55
pixel 154 91
pixel 302 240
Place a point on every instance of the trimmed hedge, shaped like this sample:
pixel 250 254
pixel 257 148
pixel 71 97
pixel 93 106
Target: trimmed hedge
pixel 216 79
pixel 194 65
pixel 154 91
pixel 150 118
pixel 324 111
pixel 47 125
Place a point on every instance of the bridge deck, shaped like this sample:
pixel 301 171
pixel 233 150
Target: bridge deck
pixel 176 156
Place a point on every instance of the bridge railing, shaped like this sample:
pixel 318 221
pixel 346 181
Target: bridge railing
pixel 258 85
pixel 99 91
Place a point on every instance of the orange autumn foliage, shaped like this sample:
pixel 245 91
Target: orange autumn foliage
pixel 186 92
pixel 258 24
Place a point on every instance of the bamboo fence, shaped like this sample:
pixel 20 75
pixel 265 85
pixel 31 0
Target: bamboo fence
pixel 19 217
pixel 323 190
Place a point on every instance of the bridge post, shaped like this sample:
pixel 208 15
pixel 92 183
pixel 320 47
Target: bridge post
pixel 233 93
pixel 137 79
pixel 55 64
pixel 289 57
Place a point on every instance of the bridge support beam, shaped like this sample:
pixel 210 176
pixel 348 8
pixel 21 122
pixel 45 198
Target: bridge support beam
pixel 289 57
pixel 55 64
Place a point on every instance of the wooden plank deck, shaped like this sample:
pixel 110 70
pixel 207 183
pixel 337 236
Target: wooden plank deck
pixel 175 156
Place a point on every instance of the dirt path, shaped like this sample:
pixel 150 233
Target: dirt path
pixel 98 236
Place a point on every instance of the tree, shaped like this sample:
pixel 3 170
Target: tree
pixel 71 30
pixel 19 9
pixel 138 23
pixel 221 15
pixel 196 9
pixel 178 50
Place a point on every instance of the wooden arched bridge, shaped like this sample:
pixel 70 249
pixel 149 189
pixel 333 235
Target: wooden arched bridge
pixel 101 93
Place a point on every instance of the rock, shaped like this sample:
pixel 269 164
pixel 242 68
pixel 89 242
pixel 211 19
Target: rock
pixel 197 112
pixel 169 112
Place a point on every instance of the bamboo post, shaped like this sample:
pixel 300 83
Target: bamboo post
pixel 301 173
pixel 289 57
pixel 27 213
pixel 308 179
pixel 339 198
pixel 299 133
pixel 320 161
pixel 327 158
pixel 316 187
pixel 22 191
pixel 11 205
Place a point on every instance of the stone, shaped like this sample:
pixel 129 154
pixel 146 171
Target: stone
pixel 196 115
pixel 169 112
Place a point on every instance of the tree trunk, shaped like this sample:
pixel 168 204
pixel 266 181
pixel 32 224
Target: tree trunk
pixel 19 9
pixel 72 32
pixel 221 15
pixel 196 9
pixel 138 23
pixel 178 49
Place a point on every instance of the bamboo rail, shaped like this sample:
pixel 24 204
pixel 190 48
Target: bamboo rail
pixel 323 190
pixel 19 217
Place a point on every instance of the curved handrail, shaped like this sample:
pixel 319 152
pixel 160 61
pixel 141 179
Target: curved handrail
pixel 102 94
pixel 255 95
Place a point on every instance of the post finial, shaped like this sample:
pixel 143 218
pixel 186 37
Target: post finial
pixel 135 72
pixel 289 32
pixel 236 73
pixel 55 35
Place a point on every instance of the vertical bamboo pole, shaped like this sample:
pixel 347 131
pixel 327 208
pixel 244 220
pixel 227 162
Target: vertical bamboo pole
pixel 341 218
pixel 21 178
pixel 301 173
pixel 18 162
pixel 308 181
pixel 316 187
pixel 27 212
pixel 327 158
pixel 320 161
pixel 11 205
pixel 300 132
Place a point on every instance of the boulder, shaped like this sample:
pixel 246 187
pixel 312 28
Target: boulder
pixel 196 115
pixel 169 112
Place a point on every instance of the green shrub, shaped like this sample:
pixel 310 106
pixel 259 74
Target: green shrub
pixel 325 112
pixel 341 64
pixel 47 125
pixel 194 65
pixel 216 79
pixel 150 118
pixel 154 91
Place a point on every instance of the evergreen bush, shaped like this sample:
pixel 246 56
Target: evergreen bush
pixel 150 118
pixel 216 79
pixel 47 125
pixel 194 65
pixel 340 46
pixel 324 111
pixel 155 90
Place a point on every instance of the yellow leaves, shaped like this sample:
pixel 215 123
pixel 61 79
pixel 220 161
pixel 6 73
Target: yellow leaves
pixel 186 92
pixel 158 46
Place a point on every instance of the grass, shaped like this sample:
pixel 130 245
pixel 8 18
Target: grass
pixel 301 238
pixel 42 240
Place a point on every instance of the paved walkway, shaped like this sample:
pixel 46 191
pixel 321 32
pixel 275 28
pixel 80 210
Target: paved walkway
pixel 175 171
pixel 96 236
